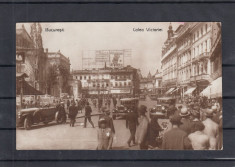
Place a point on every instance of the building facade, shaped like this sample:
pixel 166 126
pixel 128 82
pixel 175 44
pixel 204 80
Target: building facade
pixel 104 81
pixel 58 73
pixel 190 56
pixel 30 56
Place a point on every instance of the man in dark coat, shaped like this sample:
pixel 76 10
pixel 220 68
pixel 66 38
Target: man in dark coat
pixel 175 139
pixel 154 129
pixel 132 123
pixel 72 114
pixel 186 122
pixel 88 112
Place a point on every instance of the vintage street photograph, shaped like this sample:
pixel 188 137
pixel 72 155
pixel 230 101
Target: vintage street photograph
pixel 119 86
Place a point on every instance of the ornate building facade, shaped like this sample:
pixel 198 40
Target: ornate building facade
pixel 190 56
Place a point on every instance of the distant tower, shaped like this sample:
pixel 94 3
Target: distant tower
pixel 170 31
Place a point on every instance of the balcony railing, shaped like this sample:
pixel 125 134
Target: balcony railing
pixel 201 56
pixel 200 77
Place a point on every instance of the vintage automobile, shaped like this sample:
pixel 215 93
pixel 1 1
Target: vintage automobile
pixel 122 110
pixel 161 109
pixel 30 116
pixel 142 97
pixel 153 97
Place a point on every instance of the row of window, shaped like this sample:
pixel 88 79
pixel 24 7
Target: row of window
pixel 103 85
pixel 89 77
pixel 201 31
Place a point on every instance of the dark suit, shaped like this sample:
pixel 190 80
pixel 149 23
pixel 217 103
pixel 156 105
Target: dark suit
pixel 131 123
pixel 88 111
pixel 72 114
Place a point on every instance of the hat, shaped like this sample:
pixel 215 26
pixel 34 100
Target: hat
pixel 143 109
pixel 214 108
pixel 176 120
pixel 184 112
pixel 197 108
pixel 209 112
pixel 102 120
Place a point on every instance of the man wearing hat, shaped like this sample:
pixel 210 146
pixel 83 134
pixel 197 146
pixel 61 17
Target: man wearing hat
pixel 195 115
pixel 142 129
pixel 132 123
pixel 72 114
pixel 88 112
pixel 175 139
pixel 109 120
pixel 211 129
pixel 105 136
pixel 186 123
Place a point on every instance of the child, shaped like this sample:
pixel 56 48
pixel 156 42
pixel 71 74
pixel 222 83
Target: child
pixel 105 136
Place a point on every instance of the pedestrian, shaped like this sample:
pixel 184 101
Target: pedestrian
pixel 211 129
pixel 114 102
pixel 154 130
pixel 105 136
pixel 131 124
pixel 195 117
pixel 109 120
pixel 88 112
pixel 175 138
pixel 186 123
pixel 68 104
pixel 72 114
pixel 198 139
pixel 61 109
pixel 142 129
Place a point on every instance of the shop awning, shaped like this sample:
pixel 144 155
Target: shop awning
pixel 189 91
pixel 214 89
pixel 170 90
pixel 27 89
pixel 175 90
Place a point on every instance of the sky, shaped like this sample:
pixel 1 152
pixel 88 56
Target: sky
pixel 78 36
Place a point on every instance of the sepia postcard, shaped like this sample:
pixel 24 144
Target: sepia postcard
pixel 119 86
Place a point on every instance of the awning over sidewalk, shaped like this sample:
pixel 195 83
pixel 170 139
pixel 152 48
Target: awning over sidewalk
pixel 27 89
pixel 190 91
pixel 214 89
pixel 170 90
pixel 175 90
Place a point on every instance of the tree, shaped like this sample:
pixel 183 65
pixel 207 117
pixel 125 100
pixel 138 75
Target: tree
pixel 52 77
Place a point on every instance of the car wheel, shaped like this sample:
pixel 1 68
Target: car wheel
pixel 27 123
pixel 58 117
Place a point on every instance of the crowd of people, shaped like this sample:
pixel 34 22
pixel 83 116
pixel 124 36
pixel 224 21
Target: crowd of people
pixel 196 124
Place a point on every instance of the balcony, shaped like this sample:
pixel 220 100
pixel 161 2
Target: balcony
pixel 203 55
pixel 201 77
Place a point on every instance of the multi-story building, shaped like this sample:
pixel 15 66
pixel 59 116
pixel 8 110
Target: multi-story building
pixel 30 56
pixel 147 84
pixel 158 83
pixel 188 59
pixel 107 80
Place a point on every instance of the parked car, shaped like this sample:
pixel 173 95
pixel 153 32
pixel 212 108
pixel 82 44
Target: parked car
pixel 119 111
pixel 126 103
pixel 161 109
pixel 153 97
pixel 30 116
